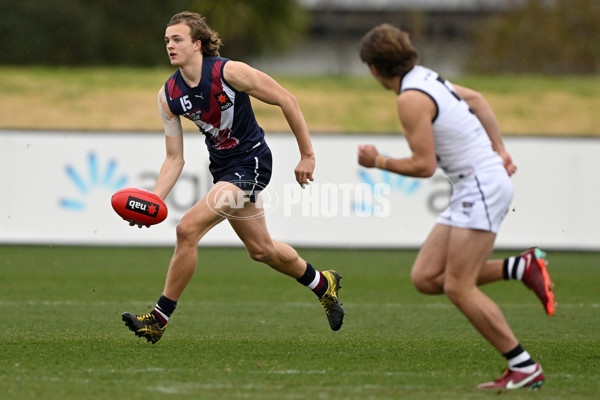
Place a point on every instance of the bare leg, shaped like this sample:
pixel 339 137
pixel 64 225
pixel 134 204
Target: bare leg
pixel 192 227
pixel 468 251
pixel 249 224
pixel 430 266
pixel 491 272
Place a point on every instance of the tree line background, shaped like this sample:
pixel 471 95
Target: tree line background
pixel 542 36
pixel 119 32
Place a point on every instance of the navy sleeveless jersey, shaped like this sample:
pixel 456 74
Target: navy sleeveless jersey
pixel 223 114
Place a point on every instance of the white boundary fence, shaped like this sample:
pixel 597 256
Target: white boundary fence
pixel 56 188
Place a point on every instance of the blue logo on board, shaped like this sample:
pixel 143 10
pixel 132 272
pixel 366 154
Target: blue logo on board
pixel 87 179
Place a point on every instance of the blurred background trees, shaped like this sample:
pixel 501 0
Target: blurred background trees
pixel 249 27
pixel 552 37
pixel 491 36
pixel 117 32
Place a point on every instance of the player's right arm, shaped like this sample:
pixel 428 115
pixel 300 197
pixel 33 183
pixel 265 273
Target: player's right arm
pixel 415 110
pixel 173 163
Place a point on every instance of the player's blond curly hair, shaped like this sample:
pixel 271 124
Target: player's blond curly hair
pixel 199 31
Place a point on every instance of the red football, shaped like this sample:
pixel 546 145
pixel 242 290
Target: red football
pixel 139 206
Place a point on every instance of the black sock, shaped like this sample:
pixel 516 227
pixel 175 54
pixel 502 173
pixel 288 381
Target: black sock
pixel 163 309
pixel 314 280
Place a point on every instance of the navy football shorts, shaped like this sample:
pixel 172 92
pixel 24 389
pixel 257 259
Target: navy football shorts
pixel 252 174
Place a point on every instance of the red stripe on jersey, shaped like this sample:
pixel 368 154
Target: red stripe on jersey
pixel 214 116
pixel 174 91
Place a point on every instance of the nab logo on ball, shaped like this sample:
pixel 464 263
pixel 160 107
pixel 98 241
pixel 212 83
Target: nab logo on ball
pixel 139 206
pixel 142 206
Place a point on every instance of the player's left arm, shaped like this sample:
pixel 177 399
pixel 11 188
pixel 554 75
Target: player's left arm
pixel 264 88
pixel 486 116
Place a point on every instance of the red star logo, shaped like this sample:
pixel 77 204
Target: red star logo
pixel 222 99
pixel 152 209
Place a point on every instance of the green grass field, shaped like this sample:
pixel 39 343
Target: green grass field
pixel 242 331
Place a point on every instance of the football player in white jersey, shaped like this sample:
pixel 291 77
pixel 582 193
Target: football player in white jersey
pixel 455 129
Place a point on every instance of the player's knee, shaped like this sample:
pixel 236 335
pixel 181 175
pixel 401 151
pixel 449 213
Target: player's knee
pixel 186 231
pixel 257 255
pixel 453 291
pixel 422 283
pixel 260 253
pixel 418 282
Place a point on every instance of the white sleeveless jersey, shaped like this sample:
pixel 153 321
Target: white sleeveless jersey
pixel 461 144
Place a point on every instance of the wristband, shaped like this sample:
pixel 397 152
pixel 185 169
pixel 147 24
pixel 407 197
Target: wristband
pixel 380 161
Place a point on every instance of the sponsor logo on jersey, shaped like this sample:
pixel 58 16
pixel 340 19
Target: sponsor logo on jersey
pixel 223 101
pixel 195 115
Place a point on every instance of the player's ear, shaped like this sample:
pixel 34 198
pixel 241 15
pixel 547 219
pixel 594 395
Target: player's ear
pixel 374 71
pixel 198 45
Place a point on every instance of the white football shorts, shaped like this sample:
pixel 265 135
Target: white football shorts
pixel 480 200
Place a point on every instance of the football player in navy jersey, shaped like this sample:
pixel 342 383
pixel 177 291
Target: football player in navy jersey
pixel 454 128
pixel 214 93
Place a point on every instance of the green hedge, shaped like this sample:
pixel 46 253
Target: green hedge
pixel 118 32
pixel 552 37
